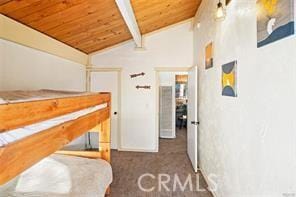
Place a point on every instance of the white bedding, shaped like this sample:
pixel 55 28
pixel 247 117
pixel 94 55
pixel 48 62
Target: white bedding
pixel 17 134
pixel 60 176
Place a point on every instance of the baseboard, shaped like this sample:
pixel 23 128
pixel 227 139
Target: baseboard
pixel 168 137
pixel 138 150
pixel 207 181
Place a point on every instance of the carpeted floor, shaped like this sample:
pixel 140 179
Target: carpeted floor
pixel 171 159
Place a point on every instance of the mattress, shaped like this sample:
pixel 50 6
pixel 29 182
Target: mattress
pixel 60 176
pixel 25 96
pixel 20 133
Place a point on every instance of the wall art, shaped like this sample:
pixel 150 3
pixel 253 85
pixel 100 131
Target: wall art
pixel 209 56
pixel 275 20
pixel 229 86
pixel 137 75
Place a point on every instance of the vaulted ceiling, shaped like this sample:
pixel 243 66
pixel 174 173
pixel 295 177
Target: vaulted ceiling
pixel 92 25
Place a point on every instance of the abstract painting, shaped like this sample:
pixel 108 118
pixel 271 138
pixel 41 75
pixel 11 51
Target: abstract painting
pixel 209 56
pixel 229 79
pixel 275 20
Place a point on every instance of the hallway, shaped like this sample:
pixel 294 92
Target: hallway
pixel 171 159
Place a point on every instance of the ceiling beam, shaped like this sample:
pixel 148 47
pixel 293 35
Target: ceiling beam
pixel 128 15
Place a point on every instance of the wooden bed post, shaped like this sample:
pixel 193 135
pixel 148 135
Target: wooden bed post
pixel 104 140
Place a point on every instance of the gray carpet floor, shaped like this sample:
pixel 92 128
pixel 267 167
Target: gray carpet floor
pixel 171 159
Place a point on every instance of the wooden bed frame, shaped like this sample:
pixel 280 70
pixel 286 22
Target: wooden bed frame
pixel 22 154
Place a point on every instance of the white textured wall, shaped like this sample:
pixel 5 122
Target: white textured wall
pixel 172 47
pixel 249 141
pixel 26 68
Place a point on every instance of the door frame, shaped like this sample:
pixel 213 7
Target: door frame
pixel 93 69
pixel 158 70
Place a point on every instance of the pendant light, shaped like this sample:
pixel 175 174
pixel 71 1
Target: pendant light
pixel 220 12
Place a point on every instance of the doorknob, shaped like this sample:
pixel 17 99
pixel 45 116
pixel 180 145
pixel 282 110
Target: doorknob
pixel 195 122
pixel 115 113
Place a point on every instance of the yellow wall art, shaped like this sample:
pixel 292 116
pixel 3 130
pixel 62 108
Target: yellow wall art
pixel 229 79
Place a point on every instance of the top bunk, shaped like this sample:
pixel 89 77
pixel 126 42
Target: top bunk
pixel 20 111
pixel 22 108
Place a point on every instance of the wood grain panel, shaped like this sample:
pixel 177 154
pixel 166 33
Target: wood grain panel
pixel 20 155
pixel 64 19
pixel 153 15
pixel 92 25
pixel 10 6
pixel 2 2
pixel 41 9
pixel 45 9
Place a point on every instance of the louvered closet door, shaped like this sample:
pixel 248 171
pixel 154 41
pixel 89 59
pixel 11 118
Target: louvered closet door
pixel 166 115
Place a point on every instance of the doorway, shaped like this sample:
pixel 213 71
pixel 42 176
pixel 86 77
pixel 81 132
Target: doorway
pixel 177 109
pixel 172 104
pixel 109 80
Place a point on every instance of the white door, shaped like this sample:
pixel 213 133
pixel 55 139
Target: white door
pixel 192 121
pixel 108 82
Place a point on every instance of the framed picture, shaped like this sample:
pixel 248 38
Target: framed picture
pixel 209 56
pixel 275 20
pixel 229 79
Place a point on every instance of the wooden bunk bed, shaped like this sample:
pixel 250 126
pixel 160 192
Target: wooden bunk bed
pixel 19 109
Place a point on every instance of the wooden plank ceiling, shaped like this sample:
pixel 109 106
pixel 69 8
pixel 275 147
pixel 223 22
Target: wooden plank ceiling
pixel 92 25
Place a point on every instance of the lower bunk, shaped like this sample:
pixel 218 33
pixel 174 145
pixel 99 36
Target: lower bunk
pixel 61 175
